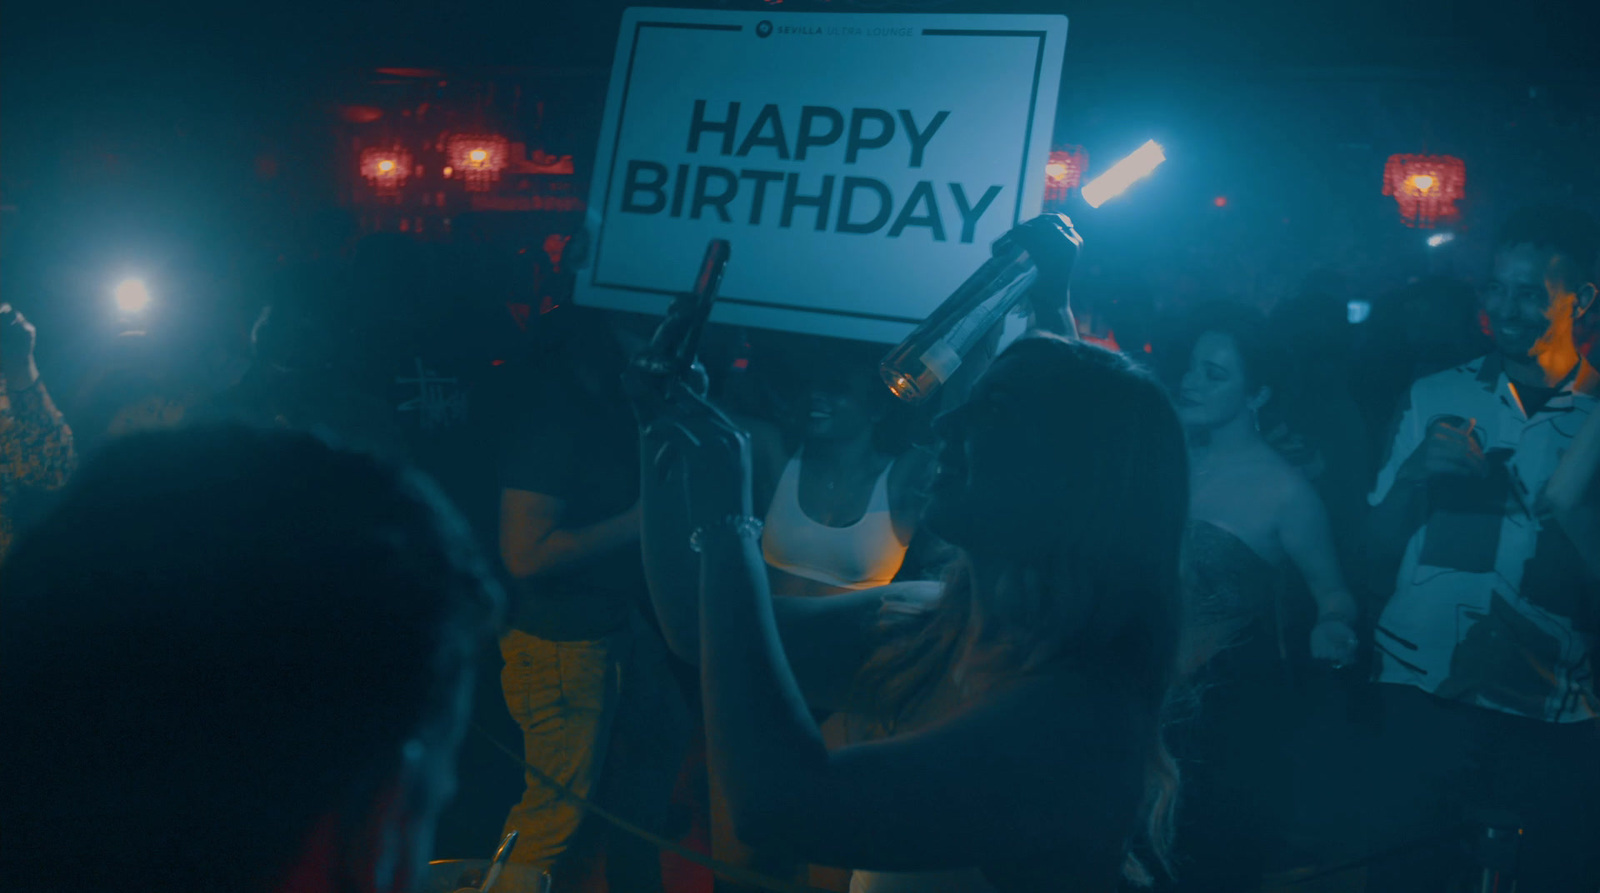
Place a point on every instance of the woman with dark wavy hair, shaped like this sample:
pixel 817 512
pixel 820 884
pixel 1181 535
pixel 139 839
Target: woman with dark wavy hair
pixel 1255 515
pixel 1014 711
pixel 1255 519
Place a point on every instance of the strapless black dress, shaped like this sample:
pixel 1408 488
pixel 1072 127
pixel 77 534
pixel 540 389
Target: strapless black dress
pixel 1230 734
pixel 1230 596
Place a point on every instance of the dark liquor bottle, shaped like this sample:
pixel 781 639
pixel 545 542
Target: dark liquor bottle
pixel 672 349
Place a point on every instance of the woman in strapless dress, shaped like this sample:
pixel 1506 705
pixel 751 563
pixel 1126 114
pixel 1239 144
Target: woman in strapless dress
pixel 1010 716
pixel 1254 520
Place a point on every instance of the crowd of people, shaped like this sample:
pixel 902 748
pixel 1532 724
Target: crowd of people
pixel 1111 612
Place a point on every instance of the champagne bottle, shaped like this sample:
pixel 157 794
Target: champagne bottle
pixel 1044 246
pixel 672 349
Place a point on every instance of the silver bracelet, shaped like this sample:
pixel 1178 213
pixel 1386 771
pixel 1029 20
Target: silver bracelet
pixel 741 525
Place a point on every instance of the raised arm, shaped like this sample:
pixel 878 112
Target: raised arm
pixel 826 640
pixel 1048 307
pixel 768 453
pixel 36 444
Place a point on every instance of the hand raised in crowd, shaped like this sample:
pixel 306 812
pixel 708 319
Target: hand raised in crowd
pixel 1334 641
pixel 651 373
pixel 686 437
pixel 1449 448
pixel 17 337
pixel 1054 244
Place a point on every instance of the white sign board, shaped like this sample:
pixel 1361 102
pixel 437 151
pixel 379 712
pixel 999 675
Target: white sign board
pixel 860 165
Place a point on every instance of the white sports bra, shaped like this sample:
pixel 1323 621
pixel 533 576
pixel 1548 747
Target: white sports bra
pixel 864 555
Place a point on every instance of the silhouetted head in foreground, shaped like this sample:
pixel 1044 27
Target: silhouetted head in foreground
pixel 1064 481
pixel 236 658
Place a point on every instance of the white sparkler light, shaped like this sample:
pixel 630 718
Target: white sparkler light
pixel 1124 173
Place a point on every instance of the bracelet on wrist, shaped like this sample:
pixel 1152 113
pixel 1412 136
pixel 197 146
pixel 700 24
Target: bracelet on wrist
pixel 743 526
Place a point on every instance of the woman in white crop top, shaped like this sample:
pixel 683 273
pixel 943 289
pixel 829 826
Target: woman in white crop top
pixel 844 506
pixel 1013 727
pixel 841 510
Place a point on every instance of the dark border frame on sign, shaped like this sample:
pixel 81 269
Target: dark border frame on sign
pixel 622 111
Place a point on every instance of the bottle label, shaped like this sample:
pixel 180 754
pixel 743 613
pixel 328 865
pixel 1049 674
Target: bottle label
pixel 942 360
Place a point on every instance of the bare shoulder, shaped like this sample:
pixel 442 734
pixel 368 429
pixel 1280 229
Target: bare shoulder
pixel 1278 479
pixel 1296 501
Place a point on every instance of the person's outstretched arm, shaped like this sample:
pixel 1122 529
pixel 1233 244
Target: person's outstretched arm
pixel 36 444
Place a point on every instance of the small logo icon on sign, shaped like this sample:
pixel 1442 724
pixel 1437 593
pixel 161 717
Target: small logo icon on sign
pixel 763 28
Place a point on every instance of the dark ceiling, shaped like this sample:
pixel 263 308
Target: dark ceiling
pixel 1548 36
pixel 190 84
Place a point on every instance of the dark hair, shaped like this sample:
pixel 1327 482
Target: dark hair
pixel 1569 232
pixel 1266 362
pixel 219 636
pixel 1104 594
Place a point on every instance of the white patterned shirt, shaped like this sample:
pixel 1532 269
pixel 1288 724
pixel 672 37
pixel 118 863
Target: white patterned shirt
pixel 1498 615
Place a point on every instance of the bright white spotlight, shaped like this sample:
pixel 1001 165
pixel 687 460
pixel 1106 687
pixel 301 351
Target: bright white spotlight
pixel 1437 239
pixel 131 296
pixel 1357 312
pixel 1123 174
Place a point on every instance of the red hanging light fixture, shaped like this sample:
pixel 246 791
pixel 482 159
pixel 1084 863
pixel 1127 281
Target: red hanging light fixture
pixel 1064 171
pixel 386 168
pixel 477 158
pixel 1425 187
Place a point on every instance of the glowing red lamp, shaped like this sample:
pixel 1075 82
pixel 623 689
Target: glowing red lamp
pixel 1425 187
pixel 477 158
pixel 385 168
pixel 1064 171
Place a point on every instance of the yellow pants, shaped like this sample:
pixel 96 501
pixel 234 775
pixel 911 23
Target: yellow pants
pixel 563 695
